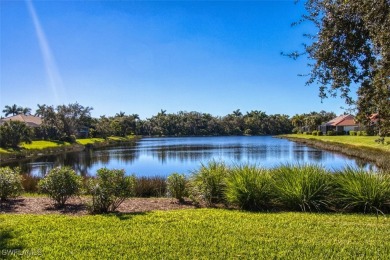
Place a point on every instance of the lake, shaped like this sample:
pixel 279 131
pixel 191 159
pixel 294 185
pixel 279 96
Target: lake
pixel 163 156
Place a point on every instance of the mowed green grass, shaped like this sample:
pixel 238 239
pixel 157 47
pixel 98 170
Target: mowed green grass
pixel 362 141
pixel 89 141
pixel 198 234
pixel 43 144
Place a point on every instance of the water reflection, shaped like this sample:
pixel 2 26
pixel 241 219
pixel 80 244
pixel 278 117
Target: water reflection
pixel 162 156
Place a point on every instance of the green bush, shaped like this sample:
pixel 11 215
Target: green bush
pixel 330 133
pixel 177 186
pixel 361 133
pixel 14 132
pixel 315 132
pixel 249 188
pixel 360 190
pixel 304 187
pixel 320 133
pixel 147 187
pixel 209 182
pixel 109 189
pixel 10 183
pixel 353 133
pixel 296 130
pixel 60 184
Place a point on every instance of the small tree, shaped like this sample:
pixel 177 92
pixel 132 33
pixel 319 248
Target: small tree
pixel 176 184
pixel 14 132
pixel 61 184
pixel 10 183
pixel 109 189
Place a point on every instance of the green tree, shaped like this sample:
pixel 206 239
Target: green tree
pixel 66 120
pixel 25 111
pixel 352 49
pixel 14 132
pixel 40 110
pixel 12 110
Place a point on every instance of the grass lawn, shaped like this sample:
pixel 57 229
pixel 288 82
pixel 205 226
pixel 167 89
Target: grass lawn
pixel 86 141
pixel 196 234
pixel 2 150
pixel 362 141
pixel 43 144
pixel 120 138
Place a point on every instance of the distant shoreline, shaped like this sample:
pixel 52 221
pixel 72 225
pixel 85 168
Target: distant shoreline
pixel 376 156
pixel 27 154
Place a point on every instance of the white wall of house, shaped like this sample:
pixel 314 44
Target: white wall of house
pixel 349 128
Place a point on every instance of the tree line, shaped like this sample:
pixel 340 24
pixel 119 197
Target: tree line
pixel 66 122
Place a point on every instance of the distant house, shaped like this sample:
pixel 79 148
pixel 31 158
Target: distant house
pixel 32 121
pixel 343 123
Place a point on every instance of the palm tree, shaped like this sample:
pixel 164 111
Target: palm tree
pixel 237 113
pixel 41 110
pixel 135 116
pixel 12 110
pixel 162 113
pixel 120 114
pixel 26 111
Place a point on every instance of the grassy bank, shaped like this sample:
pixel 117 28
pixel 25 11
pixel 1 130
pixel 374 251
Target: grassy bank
pixel 363 147
pixel 42 147
pixel 196 234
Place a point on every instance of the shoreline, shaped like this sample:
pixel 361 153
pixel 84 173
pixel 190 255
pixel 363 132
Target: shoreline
pixel 376 156
pixel 27 154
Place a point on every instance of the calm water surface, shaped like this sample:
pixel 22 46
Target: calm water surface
pixel 162 156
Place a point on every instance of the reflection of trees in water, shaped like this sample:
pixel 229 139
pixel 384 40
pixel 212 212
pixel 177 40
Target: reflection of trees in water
pixel 317 155
pixel 208 152
pixel 81 162
pixel 180 153
pixel 168 153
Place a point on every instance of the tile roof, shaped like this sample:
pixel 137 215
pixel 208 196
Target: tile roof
pixel 343 120
pixel 32 121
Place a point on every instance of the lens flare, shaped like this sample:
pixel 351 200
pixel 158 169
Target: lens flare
pixel 53 75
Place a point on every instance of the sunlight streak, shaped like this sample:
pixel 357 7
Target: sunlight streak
pixel 53 75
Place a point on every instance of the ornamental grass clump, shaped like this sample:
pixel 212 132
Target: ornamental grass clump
pixel 147 187
pixel 362 191
pixel 249 188
pixel 177 186
pixel 60 184
pixel 209 182
pixel 301 187
pixel 109 189
pixel 10 183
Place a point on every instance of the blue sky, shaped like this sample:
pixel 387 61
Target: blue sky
pixel 143 56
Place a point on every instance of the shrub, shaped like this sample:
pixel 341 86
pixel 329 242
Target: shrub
pixel 10 183
pixel 14 132
pixel 249 188
pixel 209 182
pixel 361 133
pixel 320 133
pixel 109 189
pixel 353 133
pixel 359 190
pixel 30 183
pixel 295 130
pixel 330 133
pixel 147 187
pixel 304 187
pixel 176 184
pixel 60 184
pixel 315 132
